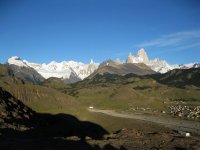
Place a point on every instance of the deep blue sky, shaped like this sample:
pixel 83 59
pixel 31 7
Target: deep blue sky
pixel 45 30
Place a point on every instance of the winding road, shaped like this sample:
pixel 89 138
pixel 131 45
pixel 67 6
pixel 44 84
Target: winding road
pixel 173 123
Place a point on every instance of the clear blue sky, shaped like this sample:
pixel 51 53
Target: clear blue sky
pixel 45 30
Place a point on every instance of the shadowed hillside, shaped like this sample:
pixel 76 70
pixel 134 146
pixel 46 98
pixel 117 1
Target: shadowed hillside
pixel 22 128
pixel 180 77
pixel 14 114
pixel 27 74
pixel 62 131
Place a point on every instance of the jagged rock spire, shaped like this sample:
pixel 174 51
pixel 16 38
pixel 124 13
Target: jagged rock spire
pixel 141 54
pixel 129 58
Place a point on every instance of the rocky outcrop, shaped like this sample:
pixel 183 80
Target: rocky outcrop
pixel 27 74
pixel 13 113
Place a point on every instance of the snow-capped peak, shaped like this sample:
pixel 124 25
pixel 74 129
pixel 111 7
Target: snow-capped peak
pixel 15 60
pixel 91 61
pixel 187 66
pixel 64 69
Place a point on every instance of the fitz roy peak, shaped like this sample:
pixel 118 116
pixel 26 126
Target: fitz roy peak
pixel 141 57
pixel 157 65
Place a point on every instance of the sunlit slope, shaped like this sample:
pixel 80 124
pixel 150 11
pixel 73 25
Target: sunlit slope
pixel 112 67
pixel 39 98
pixel 123 92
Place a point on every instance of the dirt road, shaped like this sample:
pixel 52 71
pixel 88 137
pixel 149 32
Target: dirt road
pixel 173 123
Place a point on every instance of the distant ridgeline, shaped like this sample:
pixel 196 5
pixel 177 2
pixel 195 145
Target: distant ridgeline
pixel 71 71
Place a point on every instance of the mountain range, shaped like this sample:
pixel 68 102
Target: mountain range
pixel 71 71
pixel 38 111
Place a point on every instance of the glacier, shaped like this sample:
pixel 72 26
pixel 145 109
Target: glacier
pixel 62 69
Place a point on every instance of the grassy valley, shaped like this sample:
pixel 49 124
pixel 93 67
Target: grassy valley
pixel 154 93
pixel 151 94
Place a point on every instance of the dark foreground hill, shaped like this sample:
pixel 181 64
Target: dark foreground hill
pixel 22 128
pixel 14 114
